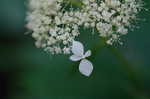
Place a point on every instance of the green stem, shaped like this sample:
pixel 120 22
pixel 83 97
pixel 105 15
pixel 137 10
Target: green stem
pixel 75 2
pixel 97 48
pixel 133 74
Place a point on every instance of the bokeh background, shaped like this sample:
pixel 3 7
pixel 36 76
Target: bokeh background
pixel 122 72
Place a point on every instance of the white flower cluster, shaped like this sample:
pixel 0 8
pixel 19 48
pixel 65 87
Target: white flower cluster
pixel 55 25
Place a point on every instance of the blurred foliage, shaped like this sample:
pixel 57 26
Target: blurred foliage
pixel 27 72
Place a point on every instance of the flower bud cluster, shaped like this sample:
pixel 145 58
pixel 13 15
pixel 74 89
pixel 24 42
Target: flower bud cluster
pixel 55 27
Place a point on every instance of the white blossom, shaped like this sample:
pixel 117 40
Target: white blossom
pixel 85 66
pixel 55 28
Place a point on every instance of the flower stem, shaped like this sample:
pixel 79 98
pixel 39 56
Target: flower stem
pixel 75 2
pixel 133 74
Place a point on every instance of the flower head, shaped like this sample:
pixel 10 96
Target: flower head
pixel 55 28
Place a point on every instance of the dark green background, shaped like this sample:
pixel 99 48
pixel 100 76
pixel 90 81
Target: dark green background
pixel 30 73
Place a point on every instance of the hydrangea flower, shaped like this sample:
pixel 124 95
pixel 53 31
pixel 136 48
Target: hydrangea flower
pixel 55 24
pixel 54 28
pixel 85 66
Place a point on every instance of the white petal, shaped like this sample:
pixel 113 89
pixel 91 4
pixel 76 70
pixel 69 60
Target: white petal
pixel 77 48
pixel 86 67
pixel 75 58
pixel 88 53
